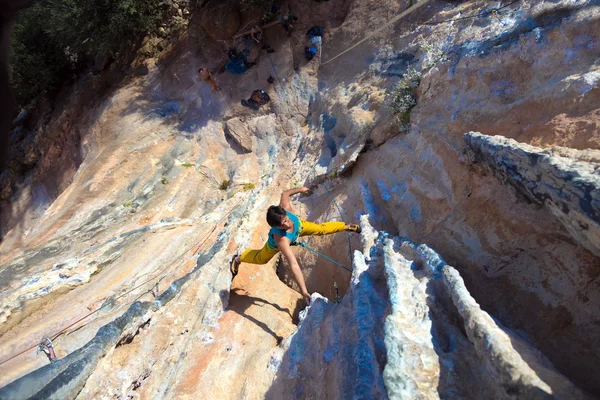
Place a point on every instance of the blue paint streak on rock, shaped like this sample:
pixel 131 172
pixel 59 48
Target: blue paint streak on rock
pixel 167 109
pixel 370 207
pixel 415 213
pixel 328 122
pixel 383 190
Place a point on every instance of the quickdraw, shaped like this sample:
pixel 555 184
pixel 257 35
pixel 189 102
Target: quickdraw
pixel 47 348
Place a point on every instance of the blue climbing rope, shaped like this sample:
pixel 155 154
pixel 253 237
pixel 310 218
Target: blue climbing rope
pixel 324 256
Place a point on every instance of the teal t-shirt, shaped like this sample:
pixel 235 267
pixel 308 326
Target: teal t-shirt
pixel 290 235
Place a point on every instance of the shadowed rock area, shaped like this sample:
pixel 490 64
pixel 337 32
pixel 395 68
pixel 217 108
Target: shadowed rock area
pixel 564 180
pixel 477 271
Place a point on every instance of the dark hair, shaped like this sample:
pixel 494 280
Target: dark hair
pixel 200 69
pixel 275 215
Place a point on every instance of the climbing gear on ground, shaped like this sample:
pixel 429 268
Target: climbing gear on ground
pixel 238 63
pixel 268 48
pixel 354 228
pixel 234 266
pixel 310 52
pixel 47 347
pixel 260 97
pixel 250 104
pixel 315 31
pixel 257 99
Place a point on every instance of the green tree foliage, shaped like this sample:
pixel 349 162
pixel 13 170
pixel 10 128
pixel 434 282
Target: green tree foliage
pixel 52 37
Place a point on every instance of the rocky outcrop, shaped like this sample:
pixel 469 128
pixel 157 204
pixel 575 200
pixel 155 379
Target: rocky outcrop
pixel 221 20
pixel 567 181
pixel 238 131
pixel 412 330
pixel 159 173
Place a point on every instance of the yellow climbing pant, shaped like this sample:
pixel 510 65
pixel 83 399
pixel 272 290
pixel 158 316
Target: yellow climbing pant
pixel 263 255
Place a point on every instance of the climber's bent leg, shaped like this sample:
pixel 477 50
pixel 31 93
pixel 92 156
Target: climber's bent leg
pixel 261 256
pixel 325 228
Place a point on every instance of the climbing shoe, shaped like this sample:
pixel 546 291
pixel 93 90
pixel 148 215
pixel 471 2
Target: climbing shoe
pixel 234 266
pixel 354 228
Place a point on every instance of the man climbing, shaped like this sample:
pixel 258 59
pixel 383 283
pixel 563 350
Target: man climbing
pixel 285 230
pixel 206 76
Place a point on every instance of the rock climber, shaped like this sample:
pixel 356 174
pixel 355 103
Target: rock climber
pixel 256 33
pixel 286 227
pixel 287 21
pixel 206 76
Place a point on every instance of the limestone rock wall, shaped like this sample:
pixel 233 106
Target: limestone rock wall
pixel 166 159
pixel 530 74
pixel 561 181
pixel 408 328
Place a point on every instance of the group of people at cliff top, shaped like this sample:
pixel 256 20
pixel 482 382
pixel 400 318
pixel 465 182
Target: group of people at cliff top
pixel 286 228
pixel 238 63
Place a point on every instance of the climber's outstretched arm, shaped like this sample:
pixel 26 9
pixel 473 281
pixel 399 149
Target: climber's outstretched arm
pixel 283 244
pixel 285 201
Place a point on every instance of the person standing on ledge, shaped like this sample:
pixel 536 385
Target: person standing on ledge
pixel 285 230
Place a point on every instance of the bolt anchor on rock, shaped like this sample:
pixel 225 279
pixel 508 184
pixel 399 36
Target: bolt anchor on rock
pixel 47 347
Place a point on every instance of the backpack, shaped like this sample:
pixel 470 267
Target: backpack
pixel 260 97
pixel 232 54
pixel 315 31
pixel 309 52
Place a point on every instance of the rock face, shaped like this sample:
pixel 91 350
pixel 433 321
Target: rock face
pixel 402 323
pixel 237 130
pixel 221 20
pixel 566 181
pixel 123 262
pixel 411 330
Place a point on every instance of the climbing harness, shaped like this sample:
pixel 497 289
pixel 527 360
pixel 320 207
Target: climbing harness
pixel 322 255
pixel 47 347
